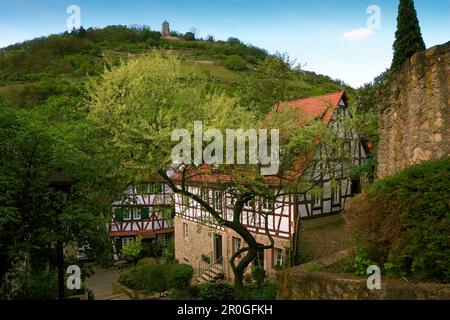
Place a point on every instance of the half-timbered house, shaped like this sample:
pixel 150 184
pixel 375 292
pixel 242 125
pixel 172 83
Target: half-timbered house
pixel 199 241
pixel 143 211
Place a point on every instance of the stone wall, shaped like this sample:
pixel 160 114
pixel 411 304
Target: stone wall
pixel 302 285
pixel 200 241
pixel 321 237
pixel 414 113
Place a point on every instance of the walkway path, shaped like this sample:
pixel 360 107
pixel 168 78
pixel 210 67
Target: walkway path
pixel 101 283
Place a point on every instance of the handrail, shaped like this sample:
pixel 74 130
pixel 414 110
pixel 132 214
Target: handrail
pixel 206 266
pixel 220 262
pixel 203 265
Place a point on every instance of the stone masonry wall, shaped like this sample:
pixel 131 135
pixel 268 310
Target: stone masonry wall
pixel 200 241
pixel 414 113
pixel 297 284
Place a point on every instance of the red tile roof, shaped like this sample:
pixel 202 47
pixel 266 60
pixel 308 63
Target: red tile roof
pixel 320 107
pixel 315 107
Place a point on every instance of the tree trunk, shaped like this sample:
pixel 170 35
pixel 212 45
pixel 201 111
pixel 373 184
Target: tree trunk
pixel 239 270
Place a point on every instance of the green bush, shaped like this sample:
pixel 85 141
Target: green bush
pixel 40 286
pixel 266 291
pixel 157 277
pixel 190 293
pixel 132 251
pixel 156 249
pixel 216 291
pixel 179 276
pixel 259 275
pixel 235 63
pixel 360 261
pixel 129 279
pixel 248 278
pixel 147 261
pixel 403 221
pixel 169 251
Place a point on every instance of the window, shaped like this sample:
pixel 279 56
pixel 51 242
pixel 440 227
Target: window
pixel 185 200
pixel 218 200
pixel 127 214
pixel 336 195
pixel 185 230
pixel 136 214
pixel 161 238
pixel 237 244
pixel 278 259
pixel 267 204
pixel 250 205
pixel 317 202
pixel 204 193
pixel 126 241
pixel 156 188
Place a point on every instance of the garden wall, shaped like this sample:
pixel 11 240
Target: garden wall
pixel 298 284
pixel 414 112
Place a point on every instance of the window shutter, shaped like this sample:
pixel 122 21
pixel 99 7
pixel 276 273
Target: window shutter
pixel 119 244
pixel 119 214
pixel 145 213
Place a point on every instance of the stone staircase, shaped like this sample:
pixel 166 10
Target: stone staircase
pixel 211 274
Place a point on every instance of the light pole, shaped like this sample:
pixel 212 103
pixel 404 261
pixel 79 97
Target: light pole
pixel 62 184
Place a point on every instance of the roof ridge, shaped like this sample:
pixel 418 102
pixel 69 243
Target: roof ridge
pixel 318 97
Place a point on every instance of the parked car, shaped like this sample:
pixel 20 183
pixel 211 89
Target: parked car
pixel 84 256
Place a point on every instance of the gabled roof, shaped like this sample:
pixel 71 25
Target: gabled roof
pixel 313 108
pixel 317 107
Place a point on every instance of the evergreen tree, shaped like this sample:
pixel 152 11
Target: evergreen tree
pixel 408 37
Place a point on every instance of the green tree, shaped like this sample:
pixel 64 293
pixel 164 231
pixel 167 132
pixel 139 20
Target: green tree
pixel 132 250
pixel 189 36
pixel 408 37
pixel 235 63
pixel 233 40
pixel 33 145
pixel 141 103
pixel 269 83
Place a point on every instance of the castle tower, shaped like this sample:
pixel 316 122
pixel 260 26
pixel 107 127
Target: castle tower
pixel 165 29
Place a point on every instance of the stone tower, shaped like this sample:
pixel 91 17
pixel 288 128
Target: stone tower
pixel 165 29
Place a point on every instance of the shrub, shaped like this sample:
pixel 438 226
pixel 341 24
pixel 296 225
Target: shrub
pixel 235 63
pixel 156 249
pixel 216 291
pixel 179 276
pixel 40 286
pixel 189 36
pixel 147 261
pixel 259 275
pixel 129 279
pixel 266 291
pixel 190 293
pixel 404 221
pixel 157 277
pixel 248 278
pixel 169 252
pixel 132 250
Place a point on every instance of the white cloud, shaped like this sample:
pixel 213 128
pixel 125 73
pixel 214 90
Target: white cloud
pixel 358 34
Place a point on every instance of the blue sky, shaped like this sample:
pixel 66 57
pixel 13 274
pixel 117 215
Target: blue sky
pixel 329 36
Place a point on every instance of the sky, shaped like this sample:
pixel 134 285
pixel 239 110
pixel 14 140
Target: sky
pixel 349 40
